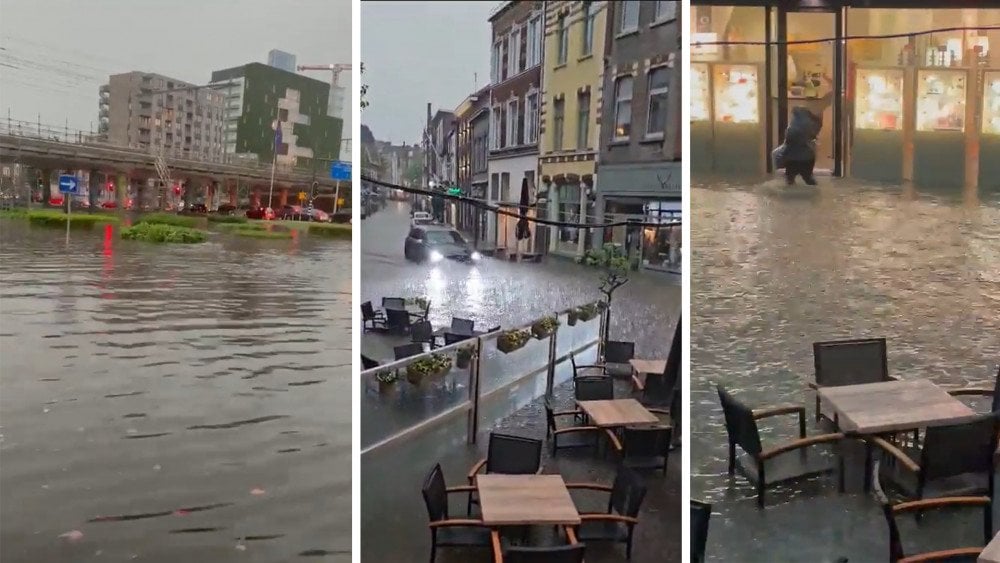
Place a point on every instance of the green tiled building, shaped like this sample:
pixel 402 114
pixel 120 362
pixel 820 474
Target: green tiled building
pixel 256 95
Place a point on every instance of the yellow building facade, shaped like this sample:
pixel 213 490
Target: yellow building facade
pixel 570 119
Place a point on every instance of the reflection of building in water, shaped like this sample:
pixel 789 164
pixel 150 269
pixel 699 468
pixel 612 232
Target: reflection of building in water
pixel 894 109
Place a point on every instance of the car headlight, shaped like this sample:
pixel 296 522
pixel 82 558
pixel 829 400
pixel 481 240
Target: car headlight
pixel 436 256
pixel 476 256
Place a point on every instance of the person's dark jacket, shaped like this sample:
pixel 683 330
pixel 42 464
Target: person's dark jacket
pixel 801 134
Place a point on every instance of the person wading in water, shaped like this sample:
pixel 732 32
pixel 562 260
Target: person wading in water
pixel 799 154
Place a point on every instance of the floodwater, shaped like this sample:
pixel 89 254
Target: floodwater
pixel 169 403
pixel 776 269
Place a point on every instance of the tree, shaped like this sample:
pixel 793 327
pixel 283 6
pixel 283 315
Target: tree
pixel 614 266
pixel 364 90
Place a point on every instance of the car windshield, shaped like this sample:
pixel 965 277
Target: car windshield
pixel 444 237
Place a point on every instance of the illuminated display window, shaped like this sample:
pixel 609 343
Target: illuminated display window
pixel 699 92
pixel 879 99
pixel 736 94
pixel 941 100
pixel 991 103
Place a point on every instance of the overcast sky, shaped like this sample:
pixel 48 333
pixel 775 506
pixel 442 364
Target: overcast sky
pixel 419 52
pixel 57 53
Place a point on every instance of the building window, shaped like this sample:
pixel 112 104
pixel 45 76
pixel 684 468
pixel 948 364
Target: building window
pixel 658 89
pixel 531 118
pixel 665 10
pixel 514 51
pixel 588 29
pixel 534 40
pixel 505 186
pixel 494 187
pixel 623 107
pixel 583 123
pixel 630 16
pixel 495 129
pixel 513 124
pixel 504 133
pixel 495 63
pixel 558 118
pixel 563 41
pixel 504 68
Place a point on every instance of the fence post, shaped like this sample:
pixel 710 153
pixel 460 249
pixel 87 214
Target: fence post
pixel 474 373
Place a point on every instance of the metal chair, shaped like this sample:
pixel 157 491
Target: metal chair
pixel 896 552
pixel 955 460
pixel 570 436
pixel 572 552
pixel 407 350
pixel 397 321
pixel 982 391
pixel 768 467
pixel 594 388
pixel 643 447
pixel 507 455
pixel 370 316
pixel 422 332
pixel 368 363
pixel 584 370
pixel 701 512
pixel 394 303
pixel 462 326
pixel 849 362
pixel 618 523
pixel 447 532
pixel 616 358
pixel 452 338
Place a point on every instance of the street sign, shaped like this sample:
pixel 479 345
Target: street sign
pixel 69 184
pixel 302 196
pixel 340 170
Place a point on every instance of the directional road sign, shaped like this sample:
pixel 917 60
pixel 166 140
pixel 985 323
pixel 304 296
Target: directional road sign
pixel 340 170
pixel 69 184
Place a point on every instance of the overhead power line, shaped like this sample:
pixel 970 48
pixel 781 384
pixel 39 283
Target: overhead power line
pixel 851 37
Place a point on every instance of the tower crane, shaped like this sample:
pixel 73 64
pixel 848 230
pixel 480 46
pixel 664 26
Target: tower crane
pixel 336 91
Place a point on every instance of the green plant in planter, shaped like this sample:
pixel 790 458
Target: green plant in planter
pixel 572 316
pixel 587 312
pixel 419 302
pixel 512 340
pixel 544 326
pixel 386 378
pixel 614 266
pixel 463 358
pixel 435 364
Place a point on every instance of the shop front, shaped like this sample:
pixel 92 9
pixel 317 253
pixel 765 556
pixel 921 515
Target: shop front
pixel 570 199
pixel 908 90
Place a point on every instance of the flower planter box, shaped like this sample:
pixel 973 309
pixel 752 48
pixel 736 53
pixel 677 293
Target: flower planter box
pixel 572 317
pixel 385 387
pixel 541 334
pixel 463 359
pixel 507 344
pixel 428 367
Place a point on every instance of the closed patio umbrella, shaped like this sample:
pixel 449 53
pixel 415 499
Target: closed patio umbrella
pixel 522 224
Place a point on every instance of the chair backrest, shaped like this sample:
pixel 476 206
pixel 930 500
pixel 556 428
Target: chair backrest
pixel 659 389
pixel 646 441
pixel 397 319
pixel 701 512
pixel 594 388
pixel 422 332
pixel 407 350
pixel 557 554
pixel 850 362
pixel 367 311
pixel 462 326
pixel 368 363
pixel 435 493
pixel 393 303
pixel 617 352
pixel 513 455
pixel 965 447
pixel 627 493
pixel 740 424
pixel 452 338
pixel 672 369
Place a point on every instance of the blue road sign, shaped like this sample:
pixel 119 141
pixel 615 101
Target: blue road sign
pixel 340 170
pixel 68 184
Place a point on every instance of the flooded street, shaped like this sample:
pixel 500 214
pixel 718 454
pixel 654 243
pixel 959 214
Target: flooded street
pixel 774 270
pixel 168 403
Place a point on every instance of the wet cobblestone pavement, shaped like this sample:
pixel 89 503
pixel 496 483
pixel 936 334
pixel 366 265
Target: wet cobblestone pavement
pixel 774 270
pixel 394 520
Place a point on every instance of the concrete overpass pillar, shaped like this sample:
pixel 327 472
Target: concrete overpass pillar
pixel 45 179
pixel 94 187
pixel 255 196
pixel 188 193
pixel 121 190
pixel 209 194
pixel 233 196
pixel 283 198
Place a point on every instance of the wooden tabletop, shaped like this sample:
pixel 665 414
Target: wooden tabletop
pixel 520 500
pixel 892 406
pixel 617 412
pixel 992 552
pixel 648 366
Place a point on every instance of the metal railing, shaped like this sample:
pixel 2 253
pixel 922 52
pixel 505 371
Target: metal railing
pixel 399 402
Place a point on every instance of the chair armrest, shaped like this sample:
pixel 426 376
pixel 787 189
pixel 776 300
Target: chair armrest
pixel 946 555
pixel 457 522
pixel 591 366
pixel 589 486
pixel 778 410
pixel 497 546
pixel 895 452
pixel 608 518
pixel 799 444
pixel 615 442
pixel 941 502
pixel 571 535
pixel 567 413
pixel 461 489
pixel 476 469
pixel 971 391
pixel 572 429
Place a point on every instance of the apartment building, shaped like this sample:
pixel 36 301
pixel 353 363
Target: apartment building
pixel 515 100
pixel 161 115
pixel 572 92
pixel 471 156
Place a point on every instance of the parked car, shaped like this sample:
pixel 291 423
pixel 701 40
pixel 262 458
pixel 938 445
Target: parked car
pixel 435 243
pixel 421 218
pixel 320 216
pixel 260 213
pixel 198 208
pixel 226 209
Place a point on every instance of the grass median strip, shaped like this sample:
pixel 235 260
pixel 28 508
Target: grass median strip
pixel 168 219
pixel 55 218
pixel 156 232
pixel 330 230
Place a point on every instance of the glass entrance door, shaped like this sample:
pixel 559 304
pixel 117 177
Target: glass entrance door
pixel 811 75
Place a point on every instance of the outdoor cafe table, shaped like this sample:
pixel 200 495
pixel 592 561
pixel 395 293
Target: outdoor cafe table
pixel 992 552
pixel 522 500
pixel 892 406
pixel 617 412
pixel 644 367
pixel 412 309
